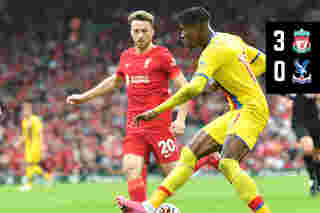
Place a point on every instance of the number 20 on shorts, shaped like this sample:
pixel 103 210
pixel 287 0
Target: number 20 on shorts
pixel 167 147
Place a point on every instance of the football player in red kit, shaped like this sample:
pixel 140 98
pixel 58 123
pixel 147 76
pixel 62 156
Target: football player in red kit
pixel 146 70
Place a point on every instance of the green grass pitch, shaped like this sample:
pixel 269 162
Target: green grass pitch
pixel 285 194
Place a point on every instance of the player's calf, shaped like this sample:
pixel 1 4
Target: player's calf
pixel 133 166
pixel 234 150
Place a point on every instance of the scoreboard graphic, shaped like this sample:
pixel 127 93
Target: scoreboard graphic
pixel 291 49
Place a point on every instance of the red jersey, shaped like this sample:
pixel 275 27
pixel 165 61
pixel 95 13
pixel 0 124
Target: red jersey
pixel 147 79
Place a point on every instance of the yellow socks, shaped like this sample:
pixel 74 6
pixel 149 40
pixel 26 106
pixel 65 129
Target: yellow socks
pixel 47 176
pixel 36 169
pixel 29 175
pixel 243 184
pixel 177 177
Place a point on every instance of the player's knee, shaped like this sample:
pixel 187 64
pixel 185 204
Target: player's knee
pixel 187 157
pixel 132 172
pixel 203 144
pixel 235 148
pixel 229 168
pixel 132 166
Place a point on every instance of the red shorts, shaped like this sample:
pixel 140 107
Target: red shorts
pixel 161 142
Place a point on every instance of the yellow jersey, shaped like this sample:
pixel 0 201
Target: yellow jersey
pixel 234 65
pixel 31 130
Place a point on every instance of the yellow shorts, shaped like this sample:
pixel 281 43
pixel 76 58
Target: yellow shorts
pixel 32 155
pixel 243 123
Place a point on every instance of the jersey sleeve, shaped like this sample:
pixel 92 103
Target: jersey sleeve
pixel 170 65
pixel 257 60
pixel 120 71
pixel 211 59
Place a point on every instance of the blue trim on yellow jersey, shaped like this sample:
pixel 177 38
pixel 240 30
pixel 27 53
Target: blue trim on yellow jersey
pixel 255 58
pixel 203 75
pixel 236 101
pixel 213 34
pixel 234 98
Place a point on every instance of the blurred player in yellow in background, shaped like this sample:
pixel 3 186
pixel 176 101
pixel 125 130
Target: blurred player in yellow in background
pixel 32 139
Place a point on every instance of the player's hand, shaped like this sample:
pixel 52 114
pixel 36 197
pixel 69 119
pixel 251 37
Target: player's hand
pixel 177 127
pixel 145 116
pixel 76 99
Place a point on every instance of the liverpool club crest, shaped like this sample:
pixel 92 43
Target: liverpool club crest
pixel 301 43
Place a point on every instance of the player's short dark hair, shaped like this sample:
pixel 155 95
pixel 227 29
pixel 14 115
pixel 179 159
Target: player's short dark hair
pixel 141 15
pixel 193 15
pixel 29 101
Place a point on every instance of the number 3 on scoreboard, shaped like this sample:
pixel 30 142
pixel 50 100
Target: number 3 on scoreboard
pixel 280 41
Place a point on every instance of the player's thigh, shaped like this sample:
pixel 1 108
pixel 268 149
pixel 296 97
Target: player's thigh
pixel 247 126
pixel 218 128
pixel 36 153
pixel 164 147
pixel 28 157
pixel 203 144
pixel 135 152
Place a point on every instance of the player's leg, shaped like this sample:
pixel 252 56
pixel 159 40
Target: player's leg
pixel 306 142
pixel 310 164
pixel 165 149
pixel 29 174
pixel 47 171
pixel 28 170
pixel 233 151
pixel 314 132
pixel 134 167
pixel 242 137
pixel 202 144
pixel 211 160
pixel 36 157
pixel 167 152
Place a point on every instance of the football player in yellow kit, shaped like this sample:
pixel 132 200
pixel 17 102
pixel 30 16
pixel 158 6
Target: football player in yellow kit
pixel 233 66
pixel 32 139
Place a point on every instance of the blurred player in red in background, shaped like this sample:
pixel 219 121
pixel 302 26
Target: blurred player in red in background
pixel 146 70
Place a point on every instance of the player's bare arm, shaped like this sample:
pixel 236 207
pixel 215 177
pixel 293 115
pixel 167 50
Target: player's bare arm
pixel 190 90
pixel 178 126
pixel 107 85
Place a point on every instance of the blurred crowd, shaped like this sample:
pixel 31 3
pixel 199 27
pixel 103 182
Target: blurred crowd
pixel 73 57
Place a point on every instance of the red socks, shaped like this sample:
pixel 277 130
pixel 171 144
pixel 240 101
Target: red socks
pixel 256 203
pixel 137 190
